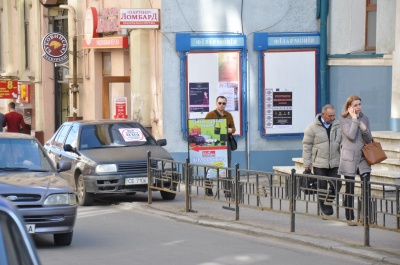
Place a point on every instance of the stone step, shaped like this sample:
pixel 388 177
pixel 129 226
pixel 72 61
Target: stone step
pixel 386 135
pixel 392 164
pixel 390 142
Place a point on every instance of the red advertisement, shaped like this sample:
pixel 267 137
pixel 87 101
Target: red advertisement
pixel 8 89
pixel 120 108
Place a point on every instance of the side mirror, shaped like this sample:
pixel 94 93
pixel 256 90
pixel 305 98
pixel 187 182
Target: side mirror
pixel 63 166
pixel 69 148
pixel 162 142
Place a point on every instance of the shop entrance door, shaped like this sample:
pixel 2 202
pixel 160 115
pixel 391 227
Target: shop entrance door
pixel 106 91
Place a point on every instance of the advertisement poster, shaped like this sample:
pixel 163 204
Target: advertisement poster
pixel 213 74
pixel 208 144
pixel 228 67
pixel 8 89
pixel 278 108
pixel 230 91
pixel 120 108
pixel 199 97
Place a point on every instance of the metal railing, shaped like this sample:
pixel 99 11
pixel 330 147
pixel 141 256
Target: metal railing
pixel 275 192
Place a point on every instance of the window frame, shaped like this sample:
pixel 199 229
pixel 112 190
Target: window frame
pixel 369 8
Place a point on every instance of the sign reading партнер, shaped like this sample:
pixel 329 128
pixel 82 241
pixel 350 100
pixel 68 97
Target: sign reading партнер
pixel 139 18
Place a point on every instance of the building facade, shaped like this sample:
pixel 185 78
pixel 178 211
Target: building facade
pixel 147 70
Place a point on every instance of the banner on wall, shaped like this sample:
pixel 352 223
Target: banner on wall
pixel 8 89
pixel 198 97
pixel 211 75
pixel 278 108
pixel 289 103
pixel 208 144
pixel 120 104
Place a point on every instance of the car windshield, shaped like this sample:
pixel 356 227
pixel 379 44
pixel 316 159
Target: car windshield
pixel 114 135
pixel 22 154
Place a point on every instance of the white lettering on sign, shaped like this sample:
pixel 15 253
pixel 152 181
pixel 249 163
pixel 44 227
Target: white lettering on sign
pixel 132 135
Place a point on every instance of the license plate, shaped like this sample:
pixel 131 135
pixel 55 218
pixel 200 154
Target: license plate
pixel 135 181
pixel 30 228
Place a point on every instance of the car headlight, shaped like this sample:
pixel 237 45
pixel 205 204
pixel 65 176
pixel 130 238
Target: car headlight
pixel 106 168
pixel 60 199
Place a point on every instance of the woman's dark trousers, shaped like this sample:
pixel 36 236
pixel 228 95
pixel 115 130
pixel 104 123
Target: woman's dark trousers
pixel 348 202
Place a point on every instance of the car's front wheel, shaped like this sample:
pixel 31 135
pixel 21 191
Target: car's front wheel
pixel 84 198
pixel 63 239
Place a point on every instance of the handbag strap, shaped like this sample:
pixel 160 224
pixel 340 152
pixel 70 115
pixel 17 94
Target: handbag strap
pixel 217 113
pixel 219 117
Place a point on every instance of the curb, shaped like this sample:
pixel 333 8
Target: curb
pixel 296 238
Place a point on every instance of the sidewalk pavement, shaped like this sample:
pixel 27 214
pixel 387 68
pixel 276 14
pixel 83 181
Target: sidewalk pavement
pixel 331 235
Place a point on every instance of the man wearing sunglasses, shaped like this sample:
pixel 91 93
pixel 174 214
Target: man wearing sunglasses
pixel 219 113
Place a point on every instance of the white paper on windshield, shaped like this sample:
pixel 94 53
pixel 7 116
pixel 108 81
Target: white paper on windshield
pixel 132 135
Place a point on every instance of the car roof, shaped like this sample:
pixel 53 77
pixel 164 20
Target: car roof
pixel 7 135
pixel 99 121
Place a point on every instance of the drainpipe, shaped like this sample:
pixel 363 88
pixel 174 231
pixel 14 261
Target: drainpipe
pixel 322 9
pixel 74 85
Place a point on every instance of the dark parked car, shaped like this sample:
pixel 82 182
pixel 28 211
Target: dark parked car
pixel 29 179
pixel 16 246
pixel 108 157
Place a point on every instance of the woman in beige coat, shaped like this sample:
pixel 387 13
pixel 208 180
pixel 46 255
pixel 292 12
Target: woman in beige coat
pixel 355 131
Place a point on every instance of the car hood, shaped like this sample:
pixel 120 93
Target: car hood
pixel 125 154
pixel 32 182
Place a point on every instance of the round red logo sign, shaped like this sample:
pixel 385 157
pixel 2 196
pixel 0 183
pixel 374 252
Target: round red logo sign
pixel 55 47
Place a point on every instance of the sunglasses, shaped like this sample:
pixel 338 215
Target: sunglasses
pixel 223 103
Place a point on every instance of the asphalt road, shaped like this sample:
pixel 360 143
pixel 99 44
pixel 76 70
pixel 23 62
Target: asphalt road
pixel 120 234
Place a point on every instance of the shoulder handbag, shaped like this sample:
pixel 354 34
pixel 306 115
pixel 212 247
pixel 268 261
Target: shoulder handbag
pixel 373 152
pixel 232 142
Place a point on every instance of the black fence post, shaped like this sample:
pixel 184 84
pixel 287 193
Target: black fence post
pixel 149 178
pixel 237 189
pixel 187 186
pixel 366 210
pixel 292 199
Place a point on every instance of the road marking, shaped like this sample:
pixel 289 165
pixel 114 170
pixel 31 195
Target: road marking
pixel 84 212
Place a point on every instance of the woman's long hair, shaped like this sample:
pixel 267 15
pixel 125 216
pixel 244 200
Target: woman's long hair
pixel 348 103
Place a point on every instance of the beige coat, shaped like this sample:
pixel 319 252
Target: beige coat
pixel 319 150
pixel 353 141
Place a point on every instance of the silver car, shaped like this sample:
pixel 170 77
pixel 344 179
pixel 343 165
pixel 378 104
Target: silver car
pixel 29 180
pixel 108 157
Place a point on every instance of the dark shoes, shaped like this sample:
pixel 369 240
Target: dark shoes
pixel 209 192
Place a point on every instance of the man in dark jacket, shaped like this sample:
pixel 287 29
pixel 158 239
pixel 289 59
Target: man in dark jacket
pixel 221 113
pixel 321 151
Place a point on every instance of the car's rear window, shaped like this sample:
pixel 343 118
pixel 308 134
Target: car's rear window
pixel 23 153
pixel 114 135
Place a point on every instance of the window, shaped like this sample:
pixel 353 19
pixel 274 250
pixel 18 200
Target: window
pixel 60 137
pixel 106 63
pixel 370 25
pixel 71 138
